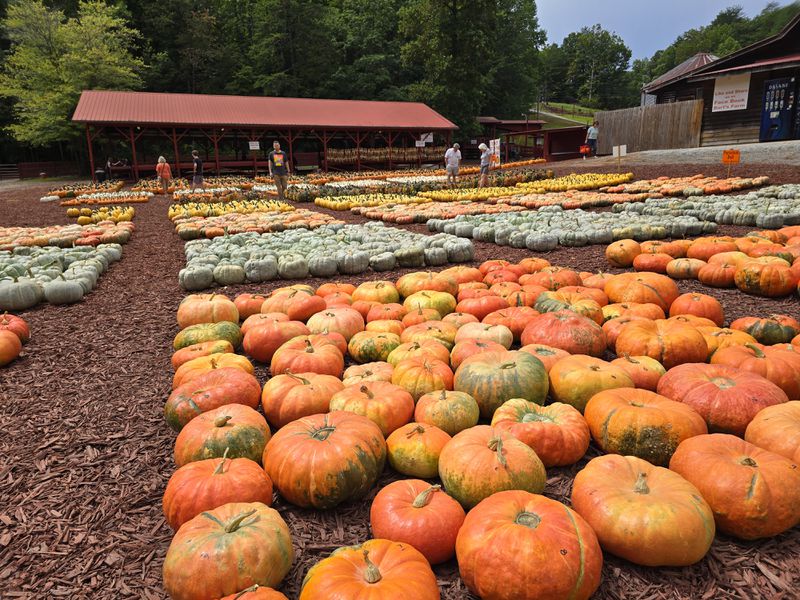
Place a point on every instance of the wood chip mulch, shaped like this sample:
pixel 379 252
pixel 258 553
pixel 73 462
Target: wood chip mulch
pixel 85 453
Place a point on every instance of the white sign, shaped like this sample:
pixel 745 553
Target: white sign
pixel 730 93
pixel 419 143
pixel 426 138
pixel 473 142
pixel 255 145
pixel 619 151
pixel 494 148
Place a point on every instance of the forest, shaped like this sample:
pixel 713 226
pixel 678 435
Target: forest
pixel 462 57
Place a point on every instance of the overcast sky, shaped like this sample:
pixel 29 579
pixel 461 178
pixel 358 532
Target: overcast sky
pixel 645 25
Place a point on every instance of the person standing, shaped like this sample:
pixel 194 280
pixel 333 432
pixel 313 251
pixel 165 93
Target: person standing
pixel 279 168
pixel 486 159
pixel 591 139
pixel 197 171
pixel 164 173
pixel 452 162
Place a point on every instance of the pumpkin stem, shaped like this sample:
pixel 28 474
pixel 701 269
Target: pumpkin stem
pixel 309 347
pixel 748 462
pixel 222 421
pixel 496 445
pixel 213 362
pixel 220 467
pixel 641 484
pixel 419 429
pixel 425 496
pixel 252 588
pixel 365 390
pixel 372 574
pixel 298 378
pixel 323 433
pixel 443 396
pixel 528 519
pixel 756 350
pixel 237 521
pixel 509 365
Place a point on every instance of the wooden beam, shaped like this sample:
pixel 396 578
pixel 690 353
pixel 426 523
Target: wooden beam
pixel 175 150
pixel 91 153
pixel 133 153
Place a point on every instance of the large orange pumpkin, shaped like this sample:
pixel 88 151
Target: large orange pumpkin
pixel 188 353
pixel 426 280
pixel 558 433
pixel 481 461
pixel 16 325
pixel 575 379
pixel 226 550
pixel 685 268
pixel 307 354
pixel 546 354
pixel 574 301
pixel 10 346
pixel 431 330
pixel 256 592
pixel 648 310
pixel 643 370
pixel 669 342
pixel 481 306
pixel 206 308
pixel 768 277
pixel 261 341
pixel 613 327
pixel 718 274
pixel 777 429
pixel 725 397
pixel 290 396
pixel 643 513
pixel 622 252
pixel 510 539
pixel 262 319
pixel 641 423
pixel 425 347
pixel 387 405
pixel 421 374
pixel 700 305
pixel 391 311
pixel 781 367
pixel 466 348
pixel 196 367
pixel 567 331
pixel 777 329
pixel 643 288
pixel 383 292
pixel 718 338
pixel 499 334
pixel 754 493
pixel 375 569
pixel 338 319
pixel 323 460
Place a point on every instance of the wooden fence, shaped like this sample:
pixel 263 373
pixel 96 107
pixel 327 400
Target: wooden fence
pixel 656 127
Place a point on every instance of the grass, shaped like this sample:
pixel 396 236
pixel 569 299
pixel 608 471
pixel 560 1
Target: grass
pixel 569 111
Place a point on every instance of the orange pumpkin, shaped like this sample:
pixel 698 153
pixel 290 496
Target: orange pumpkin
pixel 554 278
pixel 261 341
pixel 385 404
pixel 643 370
pixel 781 367
pixel 417 282
pixel 10 346
pixel 203 364
pixel 249 304
pixel 575 379
pixel 442 332
pixel 777 429
pixel 206 308
pixel 263 318
pixel 466 348
pixel 636 309
pixel 547 355
pixel 426 347
pixel 718 338
pixel 655 263
pixel 776 329
pixel 643 513
pixel 256 592
pixel 768 277
pixel 643 288
pixel 290 396
pixel 188 353
pixel 576 302
pixel 308 354
pixel 420 375
pixel 481 306
pixel 463 274
pixel 669 342
pixel 641 423
pixel 718 275
pixel 516 318
pixel 374 371
pixel 613 327
pixel 705 248
pixel 685 268
pixel 700 305
pixel 414 449
pixel 623 252
pixel 567 331
pixel 337 319
pixel 459 319
pixel 385 326
pixel 420 315
pixel 383 292
pixel 558 433
pixel 499 334
pixel 449 411
pixel 754 493
pixel 337 287
pixel 392 312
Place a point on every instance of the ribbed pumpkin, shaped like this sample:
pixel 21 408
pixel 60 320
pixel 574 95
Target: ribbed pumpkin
pixel 685 268
pixel 765 277
pixel 656 262
pixel 554 278
pixel 256 592
pixel 385 326
pixel 441 302
pixel 262 340
pixel 303 306
pixel 546 354
pixel 481 306
pixel 233 428
pixel 459 319
pixel 195 367
pixel 705 248
pixel 323 460
pixel 645 514
pixel 263 319
pixel 727 398
pixel 642 287
pixel 416 512
pixel 207 484
pixel 516 318
pixel 567 331
pixel 226 550
pixel 482 461
pixel 425 347
pixel 700 305
pixel 367 346
pixel 425 280
pixel 383 312
pixel 206 308
pixel 718 275
pixel 494 377
pixel 376 291
pixel 290 396
pixel 669 342
pixel 777 429
pixel 575 379
pixel 16 325
pixel 781 367
pixel 421 374
pixel 595 294
pixel 754 493
pixel 777 329
pixel 431 330
pixel 375 569
pixel 463 274
pixel 641 423
pixel 558 433
pixel 387 405
pixel 643 370
pixel 188 353
pixel 307 355
pixel 470 347
pixel 249 304
pixel 375 371
pixel 414 449
pixel 338 319
pixel 207 332
pixel 10 347
pixel 622 252
pixel 577 303
pixel 420 315
pixel 209 391
pixel 500 334
pixel 718 338
pixel 281 299
pixel 647 310
pixel 613 327
pixel 510 539
pixel 449 411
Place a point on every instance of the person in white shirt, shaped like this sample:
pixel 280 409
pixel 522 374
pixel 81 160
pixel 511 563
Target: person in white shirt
pixel 486 159
pixel 591 139
pixel 452 161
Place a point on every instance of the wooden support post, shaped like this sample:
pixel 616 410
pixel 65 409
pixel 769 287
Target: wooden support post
pixel 290 138
pixel 358 152
pixel 255 153
pixel 215 139
pixel 389 140
pixel 91 153
pixel 325 150
pixel 133 153
pixel 175 150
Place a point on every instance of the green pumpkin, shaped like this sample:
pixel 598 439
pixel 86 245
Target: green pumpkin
pixel 236 429
pixel 229 274
pixel 449 411
pixel 261 269
pixel 321 265
pixel 194 278
pixel 292 266
pixel 20 294
pixel 352 263
pixel 63 291
pixel 369 346
pixel 385 261
pixel 492 378
pixel 412 256
pixel 209 332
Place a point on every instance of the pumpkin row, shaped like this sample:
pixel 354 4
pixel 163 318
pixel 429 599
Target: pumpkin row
pixel 88 187
pixel 765 263
pixel 696 185
pixel 424 211
pixel 204 209
pixel 14 333
pixel 31 274
pixel 108 198
pixel 114 214
pixel 322 252
pixel 16 239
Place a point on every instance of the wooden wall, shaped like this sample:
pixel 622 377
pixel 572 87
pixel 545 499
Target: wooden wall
pixel 733 126
pixel 656 127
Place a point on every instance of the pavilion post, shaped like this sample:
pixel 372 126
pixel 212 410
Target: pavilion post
pixel 175 150
pixel 449 138
pixel 91 153
pixel 133 153
pixel 255 154
pixel 290 138
pixel 215 139
pixel 325 150
pixel 358 152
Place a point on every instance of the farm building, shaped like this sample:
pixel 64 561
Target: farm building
pixel 236 132
pixel 748 96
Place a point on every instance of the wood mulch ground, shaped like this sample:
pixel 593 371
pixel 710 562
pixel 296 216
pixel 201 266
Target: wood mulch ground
pixel 85 453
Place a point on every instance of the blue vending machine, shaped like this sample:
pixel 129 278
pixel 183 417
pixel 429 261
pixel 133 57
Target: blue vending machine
pixel 778 110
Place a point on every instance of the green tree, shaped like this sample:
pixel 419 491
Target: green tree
pixel 53 59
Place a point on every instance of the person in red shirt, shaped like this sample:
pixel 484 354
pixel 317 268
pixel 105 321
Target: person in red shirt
pixel 164 173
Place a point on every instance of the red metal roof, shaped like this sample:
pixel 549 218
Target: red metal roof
pixel 253 111
pixel 700 59
pixel 759 63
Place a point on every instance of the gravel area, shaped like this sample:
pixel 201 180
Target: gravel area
pixel 85 453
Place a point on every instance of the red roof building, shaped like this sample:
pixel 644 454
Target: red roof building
pixel 236 121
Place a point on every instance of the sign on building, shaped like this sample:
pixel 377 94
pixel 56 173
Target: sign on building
pixel 255 145
pixel 730 93
pixel 494 148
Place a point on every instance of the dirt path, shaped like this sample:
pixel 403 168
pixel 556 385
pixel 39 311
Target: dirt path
pixel 85 453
